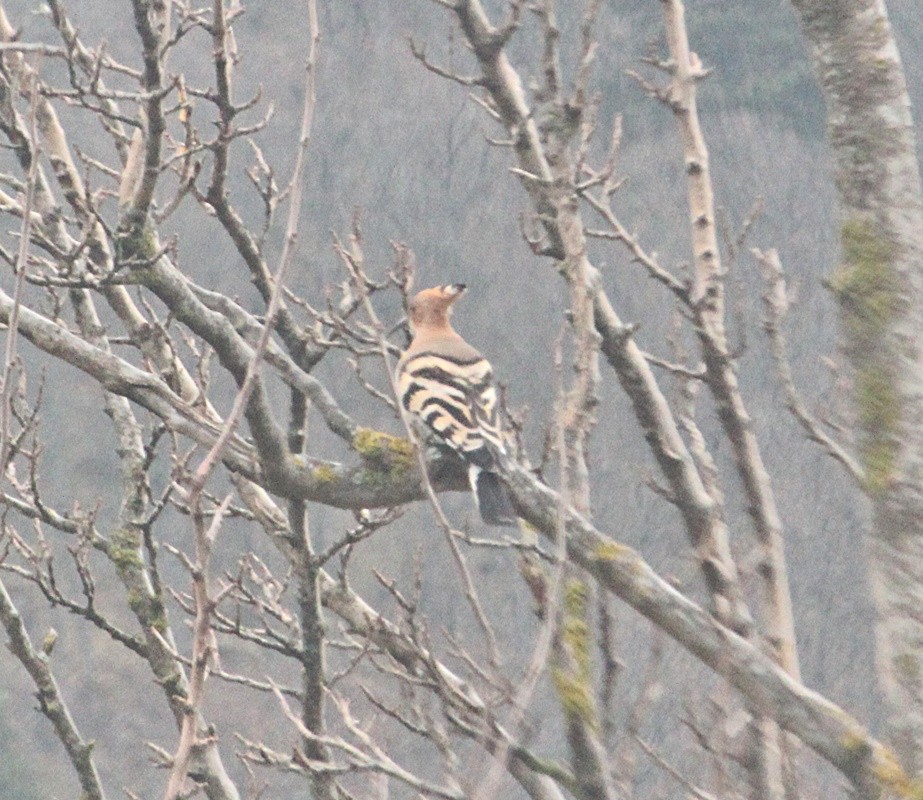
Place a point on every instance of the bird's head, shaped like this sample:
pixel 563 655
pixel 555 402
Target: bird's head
pixel 431 308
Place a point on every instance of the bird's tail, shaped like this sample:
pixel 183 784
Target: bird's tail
pixel 492 498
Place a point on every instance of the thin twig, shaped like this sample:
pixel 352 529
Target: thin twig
pixel 51 703
pixel 20 270
pixel 275 300
pixel 203 602
pixel 775 305
pixel 203 647
pixel 353 263
pixel 539 660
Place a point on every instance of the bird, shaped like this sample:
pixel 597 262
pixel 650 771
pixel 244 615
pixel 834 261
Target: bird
pixel 446 384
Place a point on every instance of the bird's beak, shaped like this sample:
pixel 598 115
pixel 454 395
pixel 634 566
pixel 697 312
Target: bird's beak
pixel 454 290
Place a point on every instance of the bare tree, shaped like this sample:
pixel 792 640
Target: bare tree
pixel 878 289
pixel 109 153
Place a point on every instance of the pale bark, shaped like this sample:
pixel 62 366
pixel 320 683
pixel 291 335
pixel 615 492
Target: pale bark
pixel 880 289
pixel 708 300
pixel 51 702
pixel 125 547
pixel 685 70
pixel 366 622
pixel 704 525
pixel 820 724
pixel 549 140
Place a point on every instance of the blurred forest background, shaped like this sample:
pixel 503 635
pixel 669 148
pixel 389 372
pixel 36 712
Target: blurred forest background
pixel 409 151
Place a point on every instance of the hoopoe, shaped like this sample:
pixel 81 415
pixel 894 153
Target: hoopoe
pixel 448 385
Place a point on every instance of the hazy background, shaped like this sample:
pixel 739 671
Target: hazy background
pixel 409 150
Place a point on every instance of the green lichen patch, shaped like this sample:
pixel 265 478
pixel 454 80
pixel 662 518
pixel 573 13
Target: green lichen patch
pixel 856 741
pixel 173 685
pixel 125 551
pixel 878 403
pixel 610 551
pixel 889 771
pixel 575 696
pixel 383 449
pixel 136 600
pixel 879 459
pixel 866 284
pixel 868 289
pixel 878 408
pixel 324 473
pixel 572 671
pixel 881 761
pixel 136 243
pixel 157 616
pixel 576 597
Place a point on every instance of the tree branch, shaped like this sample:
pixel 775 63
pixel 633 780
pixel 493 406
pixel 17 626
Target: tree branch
pixel 775 307
pixel 51 703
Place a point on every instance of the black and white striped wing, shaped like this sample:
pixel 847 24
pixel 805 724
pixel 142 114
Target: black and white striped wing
pixel 456 398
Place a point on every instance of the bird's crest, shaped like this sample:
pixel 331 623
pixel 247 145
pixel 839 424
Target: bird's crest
pixel 432 307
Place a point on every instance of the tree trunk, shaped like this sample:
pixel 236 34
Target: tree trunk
pixel 879 287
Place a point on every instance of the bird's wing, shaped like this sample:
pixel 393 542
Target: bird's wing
pixel 455 397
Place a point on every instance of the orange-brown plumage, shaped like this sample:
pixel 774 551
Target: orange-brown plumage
pixel 448 385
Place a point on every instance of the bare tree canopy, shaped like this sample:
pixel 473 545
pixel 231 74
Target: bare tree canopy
pixel 264 569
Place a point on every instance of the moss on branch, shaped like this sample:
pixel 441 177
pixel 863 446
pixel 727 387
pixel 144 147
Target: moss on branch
pixel 868 288
pixel 572 670
pixel 383 449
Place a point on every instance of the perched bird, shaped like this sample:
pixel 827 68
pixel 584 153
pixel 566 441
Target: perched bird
pixel 448 385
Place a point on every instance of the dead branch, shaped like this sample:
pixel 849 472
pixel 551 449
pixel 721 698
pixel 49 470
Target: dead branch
pixel 20 275
pixel 703 524
pixel 51 702
pixel 204 648
pixel 775 307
